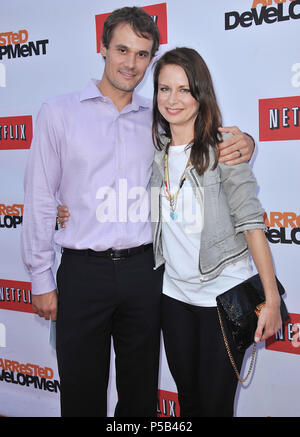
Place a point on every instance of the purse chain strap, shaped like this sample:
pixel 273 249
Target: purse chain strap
pixel 230 354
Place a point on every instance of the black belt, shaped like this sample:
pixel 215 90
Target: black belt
pixel 114 254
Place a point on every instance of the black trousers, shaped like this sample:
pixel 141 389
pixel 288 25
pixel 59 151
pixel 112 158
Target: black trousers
pixel 100 299
pixel 198 360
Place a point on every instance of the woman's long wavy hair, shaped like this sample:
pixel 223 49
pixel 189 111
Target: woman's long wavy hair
pixel 209 117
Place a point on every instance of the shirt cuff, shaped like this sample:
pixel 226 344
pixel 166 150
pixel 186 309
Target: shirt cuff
pixel 42 283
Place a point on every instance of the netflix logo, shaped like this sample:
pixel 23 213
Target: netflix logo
pixel 167 404
pixel 15 132
pixel 279 119
pixel 288 338
pixel 15 296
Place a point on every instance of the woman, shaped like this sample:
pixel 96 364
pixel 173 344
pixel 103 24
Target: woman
pixel 206 217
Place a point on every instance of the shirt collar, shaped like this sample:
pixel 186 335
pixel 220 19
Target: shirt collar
pixel 91 91
pixel 140 102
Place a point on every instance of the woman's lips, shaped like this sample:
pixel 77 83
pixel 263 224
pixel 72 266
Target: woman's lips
pixel 173 111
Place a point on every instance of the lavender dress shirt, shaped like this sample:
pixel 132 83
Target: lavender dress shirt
pixel 96 160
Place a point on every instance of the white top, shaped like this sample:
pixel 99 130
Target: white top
pixel 181 243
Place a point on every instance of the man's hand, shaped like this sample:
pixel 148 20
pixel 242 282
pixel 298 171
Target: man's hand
pixel 45 305
pixel 236 149
pixel 62 215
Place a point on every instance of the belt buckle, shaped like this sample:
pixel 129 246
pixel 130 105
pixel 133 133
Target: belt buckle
pixel 114 255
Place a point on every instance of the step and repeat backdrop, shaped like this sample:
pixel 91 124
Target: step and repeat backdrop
pixel 253 51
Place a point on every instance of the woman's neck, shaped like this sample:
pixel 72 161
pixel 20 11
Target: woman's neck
pixel 180 136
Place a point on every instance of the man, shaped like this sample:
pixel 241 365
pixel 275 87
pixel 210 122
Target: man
pixel 84 142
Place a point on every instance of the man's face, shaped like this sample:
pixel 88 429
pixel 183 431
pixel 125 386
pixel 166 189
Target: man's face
pixel 127 59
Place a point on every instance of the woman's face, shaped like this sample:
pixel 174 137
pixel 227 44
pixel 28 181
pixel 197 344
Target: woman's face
pixel 174 99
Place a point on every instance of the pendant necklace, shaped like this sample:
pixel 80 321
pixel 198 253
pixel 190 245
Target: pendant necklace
pixel 172 198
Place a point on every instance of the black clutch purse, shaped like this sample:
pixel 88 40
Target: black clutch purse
pixel 238 310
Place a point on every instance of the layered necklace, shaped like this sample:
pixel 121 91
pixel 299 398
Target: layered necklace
pixel 173 198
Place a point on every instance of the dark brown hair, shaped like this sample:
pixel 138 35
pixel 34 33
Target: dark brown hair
pixel 141 22
pixel 209 117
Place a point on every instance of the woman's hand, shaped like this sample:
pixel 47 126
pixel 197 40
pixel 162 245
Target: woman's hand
pixel 62 215
pixel 269 321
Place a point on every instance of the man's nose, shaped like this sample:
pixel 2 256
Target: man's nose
pixel 130 61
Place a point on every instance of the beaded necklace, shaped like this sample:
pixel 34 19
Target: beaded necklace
pixel 172 198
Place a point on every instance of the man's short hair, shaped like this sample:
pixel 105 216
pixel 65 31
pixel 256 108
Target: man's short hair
pixel 141 22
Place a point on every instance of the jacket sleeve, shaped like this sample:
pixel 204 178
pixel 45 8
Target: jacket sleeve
pixel 241 189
